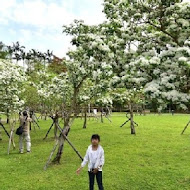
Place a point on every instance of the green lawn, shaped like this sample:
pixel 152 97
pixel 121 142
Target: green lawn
pixel 158 157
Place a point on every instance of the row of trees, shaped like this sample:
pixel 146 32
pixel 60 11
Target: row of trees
pixel 140 54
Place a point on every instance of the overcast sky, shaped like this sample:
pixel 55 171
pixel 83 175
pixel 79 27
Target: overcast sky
pixel 38 23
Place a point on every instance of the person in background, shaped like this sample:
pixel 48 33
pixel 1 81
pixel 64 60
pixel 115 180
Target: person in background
pixel 95 159
pixel 24 122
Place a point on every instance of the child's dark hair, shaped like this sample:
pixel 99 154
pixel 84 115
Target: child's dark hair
pixel 95 136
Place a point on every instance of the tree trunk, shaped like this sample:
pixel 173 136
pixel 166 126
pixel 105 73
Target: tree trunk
pixel 60 150
pixel 46 115
pixel 61 144
pixel 132 119
pixel 102 120
pixel 85 119
pixel 30 126
pixel 56 121
pixel 144 113
pixel 89 111
pixel 67 125
pixel 7 114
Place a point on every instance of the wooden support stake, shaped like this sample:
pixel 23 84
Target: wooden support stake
pixel 129 119
pixel 185 128
pixel 70 143
pixel 49 159
pixel 49 130
pixel 11 138
pixel 4 129
pixel 108 118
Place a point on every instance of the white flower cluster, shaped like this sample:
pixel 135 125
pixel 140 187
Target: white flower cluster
pixel 11 86
pixel 171 77
pixel 105 101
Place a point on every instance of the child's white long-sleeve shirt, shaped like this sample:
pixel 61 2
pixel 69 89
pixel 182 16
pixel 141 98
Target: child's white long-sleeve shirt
pixel 94 158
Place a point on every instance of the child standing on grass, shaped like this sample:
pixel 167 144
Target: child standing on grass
pixel 95 159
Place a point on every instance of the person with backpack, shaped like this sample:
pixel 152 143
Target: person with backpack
pixel 25 124
pixel 95 159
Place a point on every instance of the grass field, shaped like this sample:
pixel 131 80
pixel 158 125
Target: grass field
pixel 158 157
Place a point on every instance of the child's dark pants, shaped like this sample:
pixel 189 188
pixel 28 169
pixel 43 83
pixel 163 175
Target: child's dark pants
pixel 98 179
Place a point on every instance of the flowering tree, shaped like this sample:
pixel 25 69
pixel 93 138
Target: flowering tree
pixel 92 91
pixel 11 87
pixel 170 83
pixel 105 103
pixel 138 39
pixel 85 79
pixel 152 40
